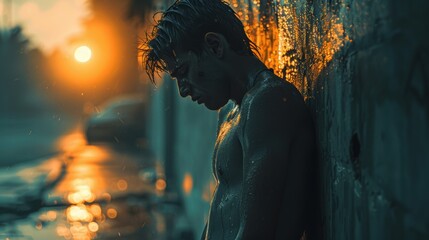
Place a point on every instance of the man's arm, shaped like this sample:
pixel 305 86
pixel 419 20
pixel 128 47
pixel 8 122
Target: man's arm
pixel 274 119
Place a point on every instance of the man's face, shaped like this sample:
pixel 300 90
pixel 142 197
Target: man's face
pixel 201 77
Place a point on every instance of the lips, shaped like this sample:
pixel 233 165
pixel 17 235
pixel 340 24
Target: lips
pixel 197 99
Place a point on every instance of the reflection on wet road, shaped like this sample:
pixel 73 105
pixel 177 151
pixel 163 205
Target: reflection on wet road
pixel 104 193
pixel 96 176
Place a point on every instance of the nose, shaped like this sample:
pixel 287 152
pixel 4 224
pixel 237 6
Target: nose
pixel 184 88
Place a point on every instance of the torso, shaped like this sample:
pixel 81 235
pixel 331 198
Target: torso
pixel 224 217
pixel 227 169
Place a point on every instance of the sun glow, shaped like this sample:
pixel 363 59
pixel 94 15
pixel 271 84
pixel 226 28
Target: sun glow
pixel 82 54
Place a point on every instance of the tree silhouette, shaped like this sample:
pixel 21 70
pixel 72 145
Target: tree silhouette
pixel 17 72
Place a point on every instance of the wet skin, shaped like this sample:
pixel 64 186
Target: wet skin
pixel 264 151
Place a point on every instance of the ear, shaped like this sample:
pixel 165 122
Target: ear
pixel 216 43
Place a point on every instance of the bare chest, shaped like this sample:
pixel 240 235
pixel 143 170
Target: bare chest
pixel 228 157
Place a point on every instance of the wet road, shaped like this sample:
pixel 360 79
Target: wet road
pixel 104 193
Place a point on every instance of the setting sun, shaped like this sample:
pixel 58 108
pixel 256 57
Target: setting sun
pixel 82 54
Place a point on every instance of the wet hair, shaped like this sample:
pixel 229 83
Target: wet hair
pixel 183 26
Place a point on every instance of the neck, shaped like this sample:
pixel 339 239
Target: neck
pixel 244 71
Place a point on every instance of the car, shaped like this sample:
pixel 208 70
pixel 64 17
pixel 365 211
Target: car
pixel 121 120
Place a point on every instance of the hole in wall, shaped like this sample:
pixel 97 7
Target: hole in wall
pixel 354 155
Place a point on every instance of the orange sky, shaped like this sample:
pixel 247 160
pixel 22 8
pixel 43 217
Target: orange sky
pixel 49 23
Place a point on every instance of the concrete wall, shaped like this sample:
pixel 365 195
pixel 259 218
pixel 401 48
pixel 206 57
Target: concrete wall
pixel 364 70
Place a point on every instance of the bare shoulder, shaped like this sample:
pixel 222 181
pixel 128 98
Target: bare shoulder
pixel 276 103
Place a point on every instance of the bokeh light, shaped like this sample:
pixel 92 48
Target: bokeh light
pixel 112 213
pixel 188 183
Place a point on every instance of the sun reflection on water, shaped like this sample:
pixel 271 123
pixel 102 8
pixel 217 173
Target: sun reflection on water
pixel 79 213
pixel 72 141
pixel 84 186
pixel 93 227
pixel 83 222
pixel 83 194
pixel 49 216
pixel 91 194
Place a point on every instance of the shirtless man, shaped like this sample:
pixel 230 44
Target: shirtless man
pixel 264 153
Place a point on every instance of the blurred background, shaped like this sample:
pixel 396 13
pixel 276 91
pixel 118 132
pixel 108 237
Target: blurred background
pixel 74 161
pixel 90 149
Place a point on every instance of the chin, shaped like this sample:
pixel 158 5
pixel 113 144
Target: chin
pixel 212 107
pixel 215 106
